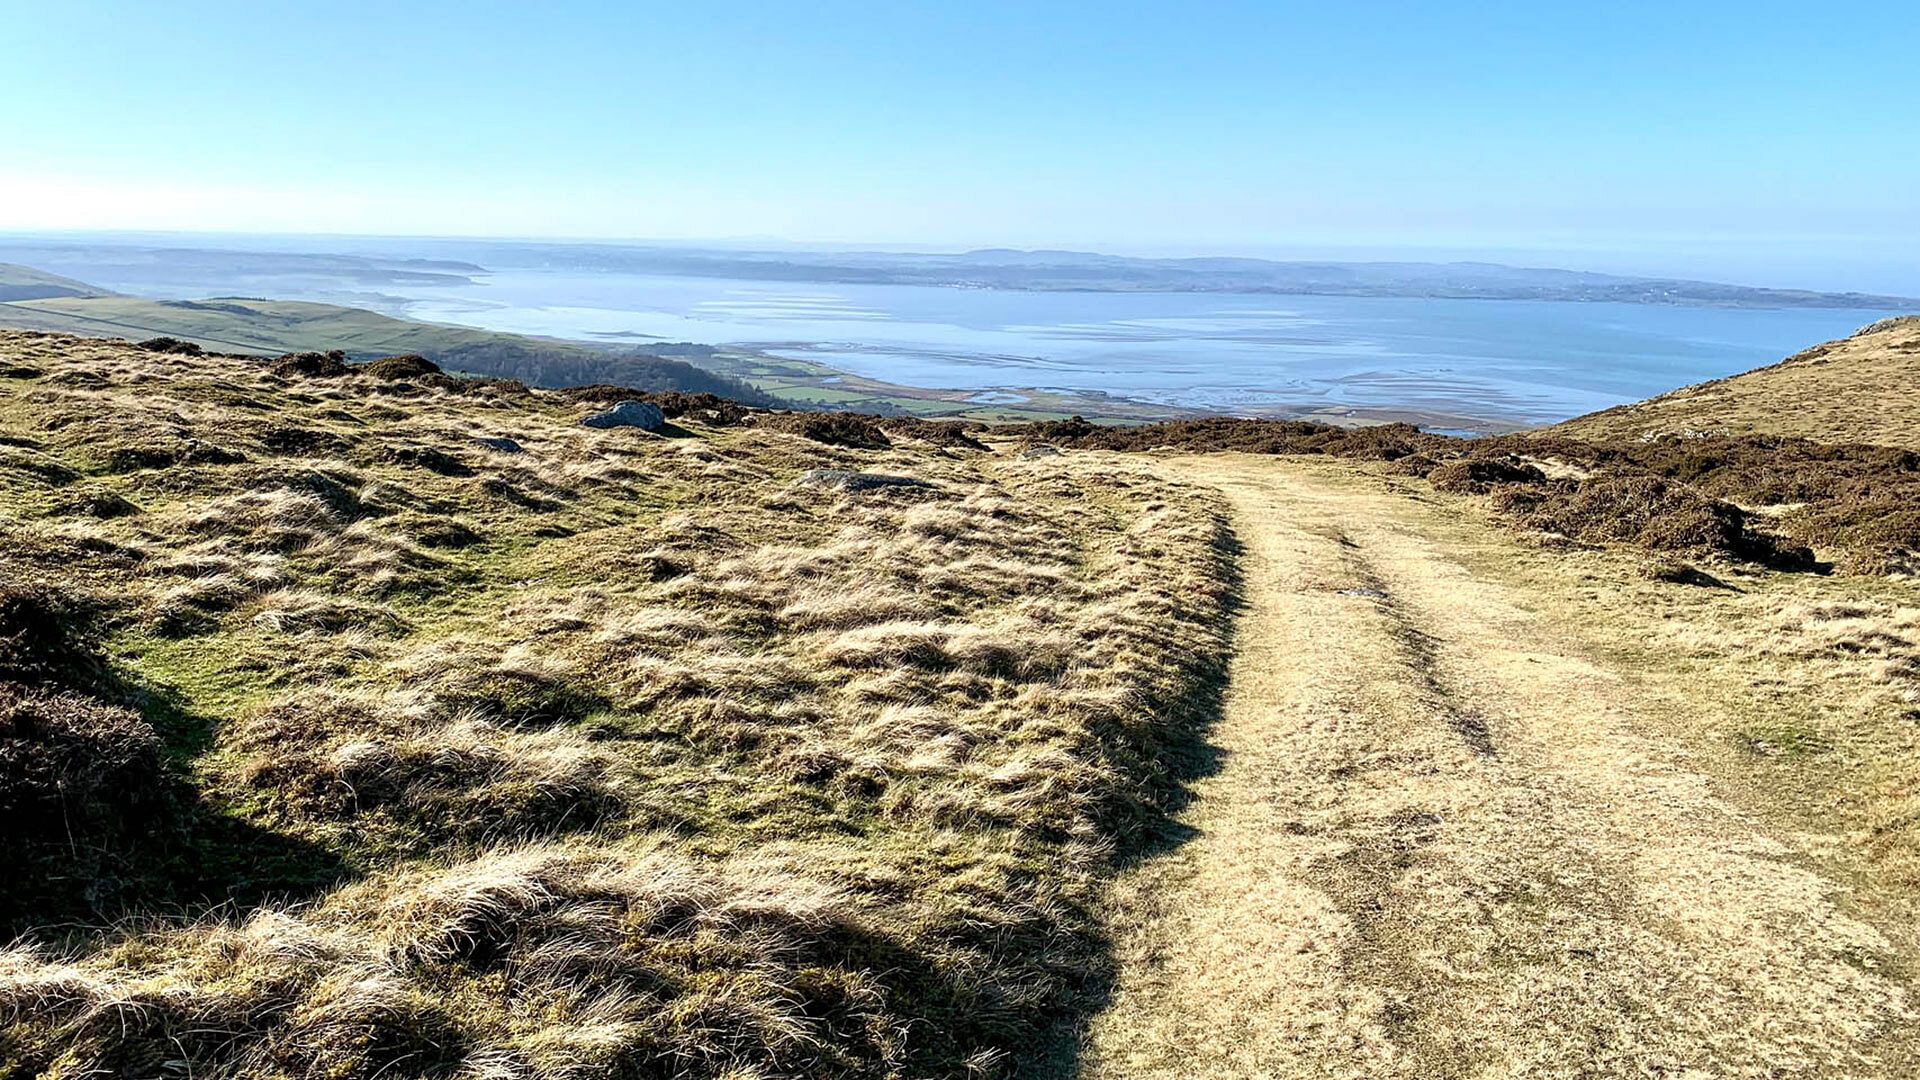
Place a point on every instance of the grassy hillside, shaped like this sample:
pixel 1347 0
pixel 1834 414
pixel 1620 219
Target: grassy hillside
pixel 335 742
pixel 360 722
pixel 1860 389
pixel 26 283
pixel 272 327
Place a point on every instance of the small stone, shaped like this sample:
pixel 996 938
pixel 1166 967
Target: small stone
pixel 504 445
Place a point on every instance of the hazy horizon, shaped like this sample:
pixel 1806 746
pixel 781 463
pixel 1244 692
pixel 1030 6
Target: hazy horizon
pixel 1750 143
pixel 1890 275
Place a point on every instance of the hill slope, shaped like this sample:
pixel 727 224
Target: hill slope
pixel 272 327
pixel 26 283
pixel 364 724
pixel 592 753
pixel 1860 389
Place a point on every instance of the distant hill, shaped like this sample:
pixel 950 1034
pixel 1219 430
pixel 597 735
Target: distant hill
pixel 403 264
pixel 26 283
pixel 1074 271
pixel 1864 389
pixel 272 327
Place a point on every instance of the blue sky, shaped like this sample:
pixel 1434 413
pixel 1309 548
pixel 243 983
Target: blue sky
pixel 1707 136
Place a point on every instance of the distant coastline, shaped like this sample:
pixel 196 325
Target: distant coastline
pixel 1109 337
pixel 372 262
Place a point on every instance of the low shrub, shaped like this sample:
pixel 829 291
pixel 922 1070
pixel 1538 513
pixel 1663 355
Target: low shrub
pixel 410 366
pixel 72 768
pixel 429 458
pixel 957 434
pixel 311 365
pixel 45 639
pixel 1478 475
pixel 170 345
pixel 706 408
pixel 1653 513
pixel 848 430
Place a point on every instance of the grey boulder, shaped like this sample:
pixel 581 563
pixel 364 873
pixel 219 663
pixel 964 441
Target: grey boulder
pixel 638 414
pixel 857 481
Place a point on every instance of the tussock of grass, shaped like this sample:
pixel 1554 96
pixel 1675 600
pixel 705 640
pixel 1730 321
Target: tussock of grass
pixel 664 966
pixel 403 772
pixel 620 755
pixel 297 611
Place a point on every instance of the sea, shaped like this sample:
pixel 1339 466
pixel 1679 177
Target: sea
pixel 1518 361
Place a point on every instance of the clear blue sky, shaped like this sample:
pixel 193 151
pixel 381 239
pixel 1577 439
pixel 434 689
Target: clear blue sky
pixel 1714 131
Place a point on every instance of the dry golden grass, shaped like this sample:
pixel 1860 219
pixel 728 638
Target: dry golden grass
pixel 1859 389
pixel 618 756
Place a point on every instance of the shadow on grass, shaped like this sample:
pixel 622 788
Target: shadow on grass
pixel 1179 752
pixel 1182 751
pixel 1693 575
pixel 147 843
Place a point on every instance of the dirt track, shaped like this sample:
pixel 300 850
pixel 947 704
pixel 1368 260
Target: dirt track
pixel 1442 844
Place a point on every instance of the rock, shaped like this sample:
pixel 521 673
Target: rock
pixel 629 414
pixel 504 445
pixel 857 481
pixel 1032 452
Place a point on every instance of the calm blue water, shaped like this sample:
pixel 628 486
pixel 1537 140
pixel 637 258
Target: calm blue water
pixel 1525 361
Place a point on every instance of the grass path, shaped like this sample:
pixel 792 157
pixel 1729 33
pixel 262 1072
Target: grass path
pixel 1444 844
